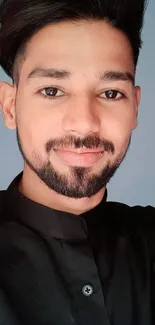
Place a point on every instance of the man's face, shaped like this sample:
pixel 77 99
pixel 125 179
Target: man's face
pixel 76 105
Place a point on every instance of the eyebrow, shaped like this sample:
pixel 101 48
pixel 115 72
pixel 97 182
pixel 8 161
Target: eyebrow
pixel 49 73
pixel 117 75
pixel 64 74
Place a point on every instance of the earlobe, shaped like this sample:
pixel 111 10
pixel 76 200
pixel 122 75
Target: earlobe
pixel 137 96
pixel 137 103
pixel 7 103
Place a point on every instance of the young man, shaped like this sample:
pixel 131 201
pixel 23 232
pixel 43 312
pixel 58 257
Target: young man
pixel 66 255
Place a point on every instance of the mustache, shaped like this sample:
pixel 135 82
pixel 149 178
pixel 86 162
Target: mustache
pixel 77 143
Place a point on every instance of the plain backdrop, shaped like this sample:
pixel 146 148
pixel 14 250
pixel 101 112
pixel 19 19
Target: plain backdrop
pixel 134 182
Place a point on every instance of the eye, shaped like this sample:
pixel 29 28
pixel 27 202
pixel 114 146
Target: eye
pixel 112 94
pixel 52 92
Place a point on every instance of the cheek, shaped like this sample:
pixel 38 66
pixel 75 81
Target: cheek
pixel 118 130
pixel 35 129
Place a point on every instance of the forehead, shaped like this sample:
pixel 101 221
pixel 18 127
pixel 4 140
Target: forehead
pixel 79 46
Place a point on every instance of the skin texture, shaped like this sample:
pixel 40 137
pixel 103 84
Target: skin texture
pixel 80 116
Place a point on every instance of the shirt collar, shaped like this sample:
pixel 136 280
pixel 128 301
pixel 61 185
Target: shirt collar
pixel 46 221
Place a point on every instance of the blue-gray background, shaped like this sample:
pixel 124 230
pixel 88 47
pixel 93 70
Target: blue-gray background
pixel 134 182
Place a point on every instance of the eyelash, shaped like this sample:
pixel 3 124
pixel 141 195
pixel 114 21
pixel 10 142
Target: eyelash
pixel 122 95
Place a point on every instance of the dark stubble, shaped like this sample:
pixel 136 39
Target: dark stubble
pixel 80 183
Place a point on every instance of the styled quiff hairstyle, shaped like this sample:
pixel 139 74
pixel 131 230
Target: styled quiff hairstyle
pixel 21 19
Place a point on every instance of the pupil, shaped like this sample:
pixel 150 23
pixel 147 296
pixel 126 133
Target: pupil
pixel 111 94
pixel 51 91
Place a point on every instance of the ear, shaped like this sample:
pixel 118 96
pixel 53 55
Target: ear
pixel 7 104
pixel 137 103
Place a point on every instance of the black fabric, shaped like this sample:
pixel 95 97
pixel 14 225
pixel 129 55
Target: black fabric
pixel 7 315
pixel 48 256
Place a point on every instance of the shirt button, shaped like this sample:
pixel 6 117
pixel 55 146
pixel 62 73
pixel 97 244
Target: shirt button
pixel 87 290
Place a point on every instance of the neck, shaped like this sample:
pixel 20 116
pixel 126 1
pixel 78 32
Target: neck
pixel 33 188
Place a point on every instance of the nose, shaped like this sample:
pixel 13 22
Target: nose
pixel 81 118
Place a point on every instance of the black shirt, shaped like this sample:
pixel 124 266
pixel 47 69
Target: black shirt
pixel 60 269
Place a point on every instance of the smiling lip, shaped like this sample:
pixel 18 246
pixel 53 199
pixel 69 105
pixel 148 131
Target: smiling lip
pixel 79 158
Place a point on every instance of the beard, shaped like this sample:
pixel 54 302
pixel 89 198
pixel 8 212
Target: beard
pixel 80 183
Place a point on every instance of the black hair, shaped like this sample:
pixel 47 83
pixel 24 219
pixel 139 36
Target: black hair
pixel 21 19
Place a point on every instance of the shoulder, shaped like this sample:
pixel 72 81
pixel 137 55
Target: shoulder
pixel 2 204
pixel 2 199
pixel 134 221
pixel 2 195
pixel 135 209
pixel 137 215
